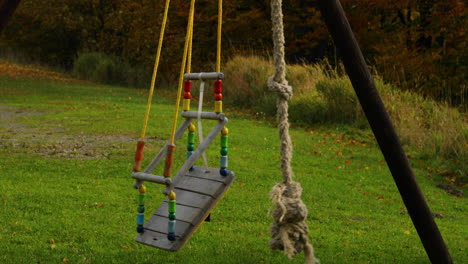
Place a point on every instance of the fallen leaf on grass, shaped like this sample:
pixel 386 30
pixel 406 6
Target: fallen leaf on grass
pixel 407 232
pixel 97 205
pixel 52 243
pixel 352 142
pixel 65 260
pixel 126 248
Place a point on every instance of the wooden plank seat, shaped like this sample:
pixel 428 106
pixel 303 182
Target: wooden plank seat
pixel 198 192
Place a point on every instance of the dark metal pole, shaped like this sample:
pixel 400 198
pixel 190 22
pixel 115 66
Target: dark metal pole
pixel 384 131
pixel 7 7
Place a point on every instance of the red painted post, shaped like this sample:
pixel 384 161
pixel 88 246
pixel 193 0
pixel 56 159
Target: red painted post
pixel 138 155
pixel 169 160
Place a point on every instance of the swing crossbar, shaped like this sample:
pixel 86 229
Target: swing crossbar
pixel 151 178
pixel 204 76
pixel 204 115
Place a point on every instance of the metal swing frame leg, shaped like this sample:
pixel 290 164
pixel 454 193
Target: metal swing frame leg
pixel 356 67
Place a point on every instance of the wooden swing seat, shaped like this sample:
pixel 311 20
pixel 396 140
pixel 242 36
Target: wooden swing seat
pixel 198 192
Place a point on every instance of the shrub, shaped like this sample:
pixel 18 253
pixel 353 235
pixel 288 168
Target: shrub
pixel 430 127
pixel 321 96
pixel 341 102
pixel 109 69
pixel 86 64
pixel 246 85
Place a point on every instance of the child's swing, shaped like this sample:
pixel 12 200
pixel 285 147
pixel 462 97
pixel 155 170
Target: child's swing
pixel 198 189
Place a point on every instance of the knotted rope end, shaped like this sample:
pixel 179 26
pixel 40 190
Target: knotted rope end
pixel 289 231
pixel 282 88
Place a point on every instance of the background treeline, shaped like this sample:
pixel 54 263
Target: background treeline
pixel 417 45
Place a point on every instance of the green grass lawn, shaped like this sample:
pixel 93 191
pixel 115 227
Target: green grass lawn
pixel 66 195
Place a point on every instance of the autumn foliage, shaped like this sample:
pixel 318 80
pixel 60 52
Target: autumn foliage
pixel 418 45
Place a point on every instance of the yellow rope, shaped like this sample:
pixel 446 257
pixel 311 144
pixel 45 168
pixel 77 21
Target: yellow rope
pixel 220 24
pixel 155 70
pixel 182 68
pixel 189 56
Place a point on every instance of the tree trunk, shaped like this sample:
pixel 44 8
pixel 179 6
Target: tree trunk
pixel 7 7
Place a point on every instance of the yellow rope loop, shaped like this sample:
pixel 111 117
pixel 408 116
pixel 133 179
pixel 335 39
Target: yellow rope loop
pixel 182 68
pixel 155 70
pixel 218 43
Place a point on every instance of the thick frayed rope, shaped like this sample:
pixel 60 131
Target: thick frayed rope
pixel 289 232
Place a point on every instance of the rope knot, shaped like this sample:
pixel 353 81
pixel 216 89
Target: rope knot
pixel 289 206
pixel 289 232
pixel 282 88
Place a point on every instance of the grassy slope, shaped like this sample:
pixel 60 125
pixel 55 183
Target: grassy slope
pixel 66 153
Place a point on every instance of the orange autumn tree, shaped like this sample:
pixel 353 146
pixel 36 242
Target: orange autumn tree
pixel 418 45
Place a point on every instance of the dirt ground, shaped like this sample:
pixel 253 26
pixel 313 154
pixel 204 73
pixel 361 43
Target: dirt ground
pixel 18 135
pixel 53 141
